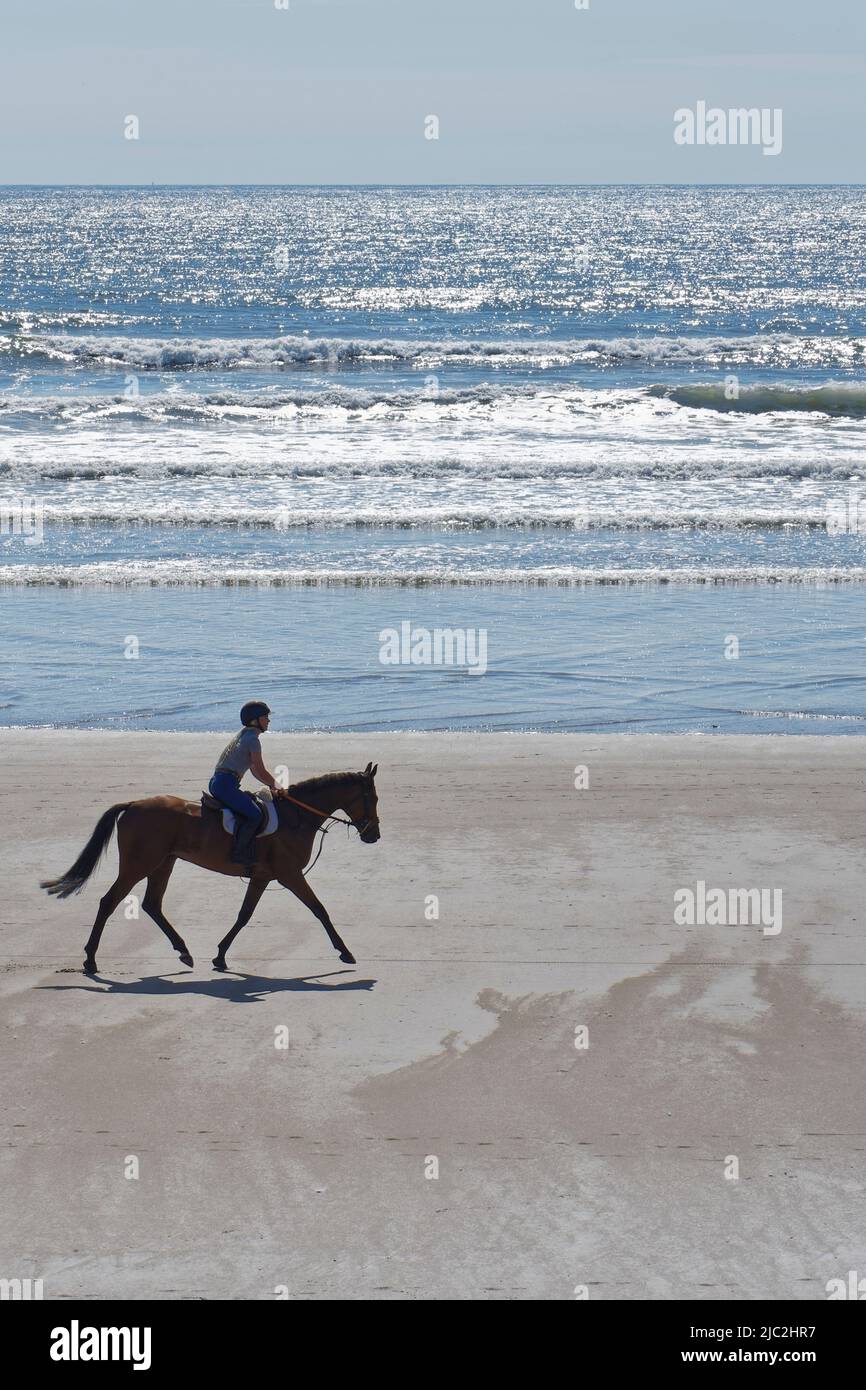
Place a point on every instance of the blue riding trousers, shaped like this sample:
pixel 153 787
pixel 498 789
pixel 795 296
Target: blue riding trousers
pixel 227 789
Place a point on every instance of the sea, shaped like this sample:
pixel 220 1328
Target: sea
pixel 613 435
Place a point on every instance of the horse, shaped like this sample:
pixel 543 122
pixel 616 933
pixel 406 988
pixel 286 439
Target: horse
pixel 153 833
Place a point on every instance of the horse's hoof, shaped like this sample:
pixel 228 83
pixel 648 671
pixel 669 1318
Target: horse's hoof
pixel 219 963
pixel 186 958
pixel 89 967
pixel 347 957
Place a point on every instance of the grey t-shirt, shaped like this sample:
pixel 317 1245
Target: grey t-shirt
pixel 237 754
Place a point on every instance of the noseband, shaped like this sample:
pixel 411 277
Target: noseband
pixel 361 829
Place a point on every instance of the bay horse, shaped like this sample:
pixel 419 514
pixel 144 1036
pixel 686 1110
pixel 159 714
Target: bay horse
pixel 152 834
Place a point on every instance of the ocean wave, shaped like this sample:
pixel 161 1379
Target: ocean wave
pixel 443 517
pixel 211 574
pixel 227 354
pixel 800 714
pixel 845 398
pixel 751 468
pixel 253 407
pixel 548 406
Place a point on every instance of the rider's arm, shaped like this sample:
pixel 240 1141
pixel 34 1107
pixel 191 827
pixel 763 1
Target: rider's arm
pixel 259 771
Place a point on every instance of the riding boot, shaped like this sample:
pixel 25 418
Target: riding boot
pixel 244 847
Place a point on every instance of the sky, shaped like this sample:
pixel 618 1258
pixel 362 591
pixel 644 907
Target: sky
pixel 342 91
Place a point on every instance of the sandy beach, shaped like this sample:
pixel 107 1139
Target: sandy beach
pixel 596 1161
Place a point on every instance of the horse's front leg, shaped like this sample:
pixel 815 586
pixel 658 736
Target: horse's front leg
pixel 297 884
pixel 256 887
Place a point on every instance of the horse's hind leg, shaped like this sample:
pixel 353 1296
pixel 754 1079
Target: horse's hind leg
pixel 120 888
pixel 157 882
pixel 297 884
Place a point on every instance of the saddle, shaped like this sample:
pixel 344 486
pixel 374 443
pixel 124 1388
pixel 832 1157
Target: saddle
pixel 263 799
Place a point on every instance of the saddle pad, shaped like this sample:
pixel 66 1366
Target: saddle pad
pixel 270 805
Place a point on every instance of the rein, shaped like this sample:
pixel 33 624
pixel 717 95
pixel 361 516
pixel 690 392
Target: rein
pixel 326 815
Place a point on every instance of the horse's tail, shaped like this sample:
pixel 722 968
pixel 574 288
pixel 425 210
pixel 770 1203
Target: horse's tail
pixel 75 878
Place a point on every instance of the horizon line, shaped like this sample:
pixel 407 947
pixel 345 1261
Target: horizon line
pixel 625 183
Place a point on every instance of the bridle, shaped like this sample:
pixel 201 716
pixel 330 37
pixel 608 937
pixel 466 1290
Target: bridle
pixel 338 820
pixel 329 815
pixel 368 810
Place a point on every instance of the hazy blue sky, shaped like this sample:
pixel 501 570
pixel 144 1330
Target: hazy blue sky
pixel 337 91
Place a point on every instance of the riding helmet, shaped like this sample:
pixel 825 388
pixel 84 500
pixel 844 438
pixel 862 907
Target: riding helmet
pixel 253 709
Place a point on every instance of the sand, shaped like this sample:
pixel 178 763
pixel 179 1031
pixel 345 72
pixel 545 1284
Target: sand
pixel 303 1171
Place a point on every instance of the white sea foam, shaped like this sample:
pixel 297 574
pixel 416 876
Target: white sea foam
pixel 138 511
pixel 124 494
pixel 173 354
pixel 466 456
pixel 801 714
pixel 212 574
pixel 337 402
pixel 545 409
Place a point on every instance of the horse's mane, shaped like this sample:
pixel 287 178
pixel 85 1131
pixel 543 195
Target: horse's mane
pixel 327 779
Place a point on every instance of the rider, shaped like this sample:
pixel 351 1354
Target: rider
pixel 243 754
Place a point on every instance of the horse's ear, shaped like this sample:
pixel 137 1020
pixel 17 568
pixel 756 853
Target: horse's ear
pixel 374 770
pixel 367 769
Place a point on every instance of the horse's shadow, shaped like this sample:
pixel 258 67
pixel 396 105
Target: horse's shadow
pixel 246 989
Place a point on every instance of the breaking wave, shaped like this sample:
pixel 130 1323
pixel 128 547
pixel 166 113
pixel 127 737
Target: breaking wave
pixel 210 574
pixel 444 517
pixel 833 398
pixel 225 354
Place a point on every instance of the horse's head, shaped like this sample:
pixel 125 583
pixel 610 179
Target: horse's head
pixel 361 805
